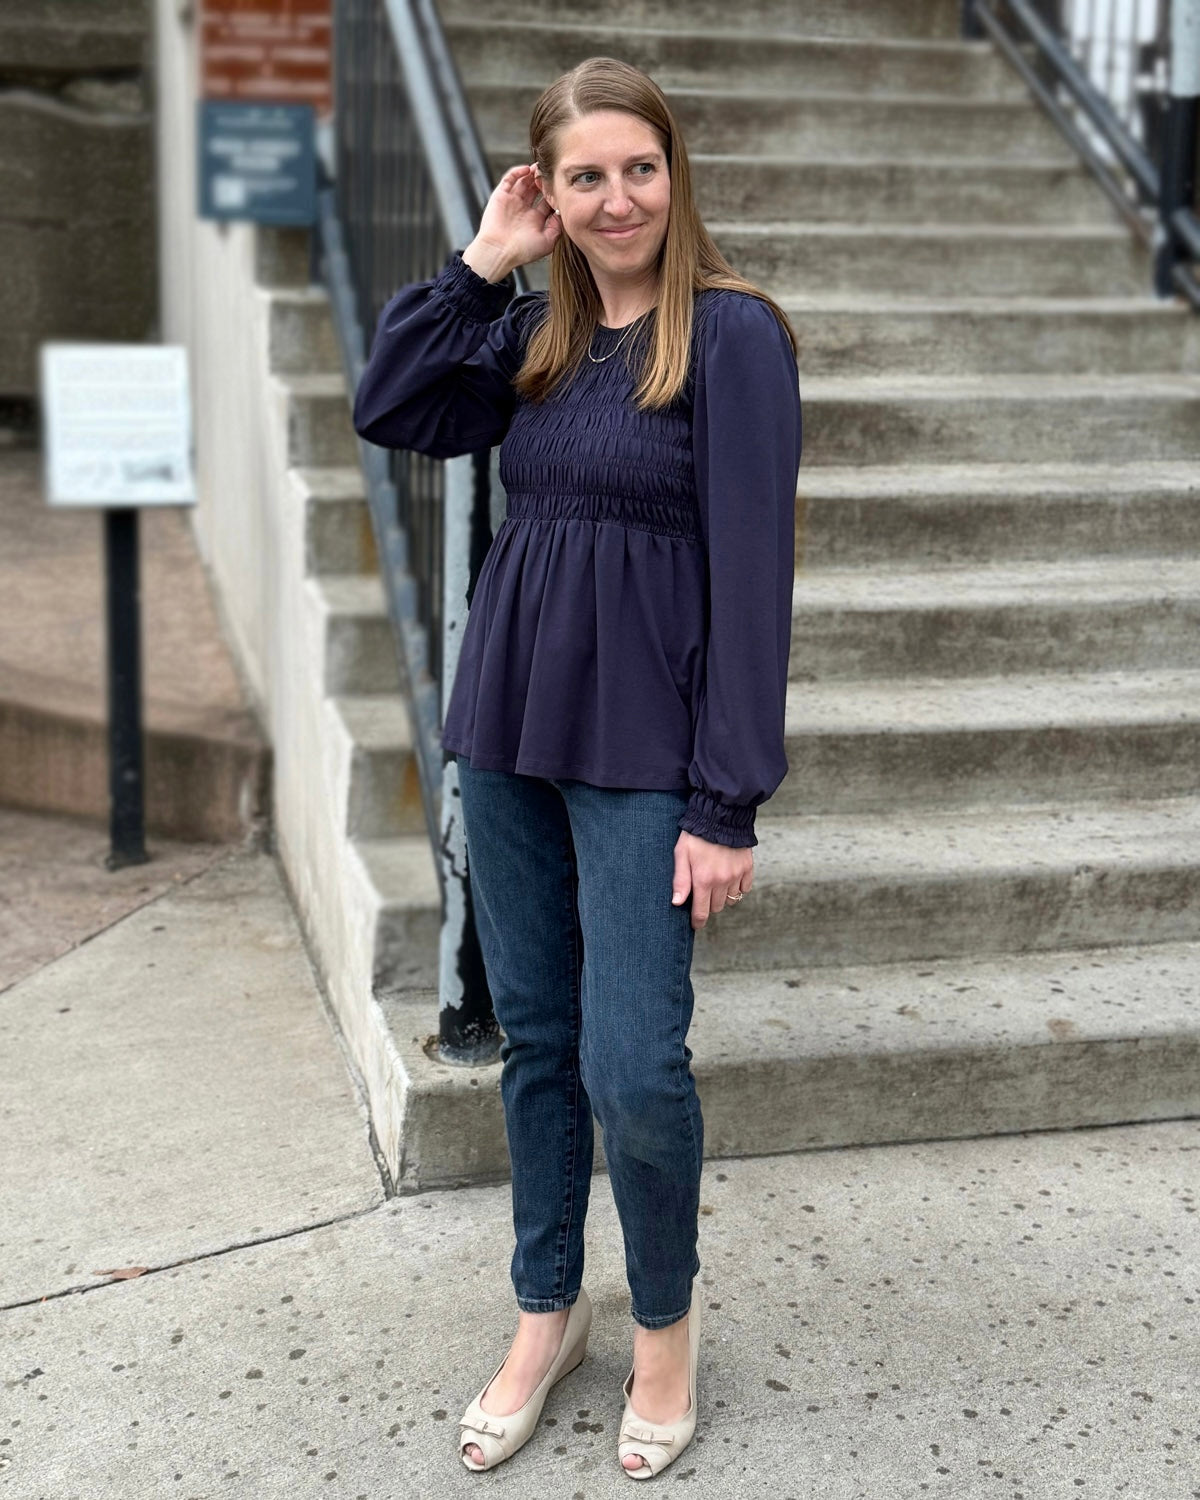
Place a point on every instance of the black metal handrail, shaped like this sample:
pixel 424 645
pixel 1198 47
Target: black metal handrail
pixel 1108 90
pixel 411 182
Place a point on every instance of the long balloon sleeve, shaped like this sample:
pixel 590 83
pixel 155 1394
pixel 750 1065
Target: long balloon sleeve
pixel 747 440
pixel 439 377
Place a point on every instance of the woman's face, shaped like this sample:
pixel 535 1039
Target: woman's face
pixel 612 190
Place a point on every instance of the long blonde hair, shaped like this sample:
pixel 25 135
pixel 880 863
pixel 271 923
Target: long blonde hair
pixel 689 262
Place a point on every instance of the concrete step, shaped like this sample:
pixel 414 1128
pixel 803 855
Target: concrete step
pixel 402 912
pixel 338 537
pixel 986 190
pixel 317 416
pixel 852 625
pixel 898 515
pixel 877 746
pixel 899 127
pixel 791 1059
pixel 926 419
pixel 957 1047
pixel 490 51
pixel 928 515
pixel 282 257
pixel 781 189
pixel 1094 615
pixel 880 888
pixel 925 260
pixel 927 263
pixel 384 793
pixel 300 332
pixel 875 19
pixel 360 653
pixel 850 336
pixel 203 782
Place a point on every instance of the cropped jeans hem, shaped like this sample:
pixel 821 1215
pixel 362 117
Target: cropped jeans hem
pixel 547 1304
pixel 666 1322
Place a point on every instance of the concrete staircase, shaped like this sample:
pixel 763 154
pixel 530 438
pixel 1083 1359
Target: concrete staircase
pixel 977 905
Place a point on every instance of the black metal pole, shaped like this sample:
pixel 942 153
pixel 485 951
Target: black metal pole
pixel 125 767
pixel 468 1031
pixel 1177 185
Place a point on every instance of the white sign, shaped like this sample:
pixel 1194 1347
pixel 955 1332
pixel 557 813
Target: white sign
pixel 117 424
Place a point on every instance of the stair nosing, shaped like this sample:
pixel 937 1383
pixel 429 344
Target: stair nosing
pixel 1027 581
pixel 1012 703
pixel 1005 385
pixel 1044 835
pixel 944 229
pixel 954 45
pixel 932 481
pixel 831 97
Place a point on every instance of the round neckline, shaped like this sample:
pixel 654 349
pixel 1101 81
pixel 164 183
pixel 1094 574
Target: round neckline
pixel 604 328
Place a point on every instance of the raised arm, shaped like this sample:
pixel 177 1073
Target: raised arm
pixel 747 441
pixel 439 379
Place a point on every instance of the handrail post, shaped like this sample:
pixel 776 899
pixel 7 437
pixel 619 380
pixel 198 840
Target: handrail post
pixel 1177 176
pixel 467 1027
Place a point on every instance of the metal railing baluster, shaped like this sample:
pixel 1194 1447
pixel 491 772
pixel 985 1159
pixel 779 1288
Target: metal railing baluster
pixel 412 182
pixel 1126 103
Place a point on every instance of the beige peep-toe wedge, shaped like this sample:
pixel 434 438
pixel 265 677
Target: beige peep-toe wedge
pixel 500 1437
pixel 661 1443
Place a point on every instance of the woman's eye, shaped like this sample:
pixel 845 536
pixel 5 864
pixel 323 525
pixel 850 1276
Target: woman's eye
pixel 649 166
pixel 579 176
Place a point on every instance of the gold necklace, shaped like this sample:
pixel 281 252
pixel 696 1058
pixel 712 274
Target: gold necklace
pixel 619 342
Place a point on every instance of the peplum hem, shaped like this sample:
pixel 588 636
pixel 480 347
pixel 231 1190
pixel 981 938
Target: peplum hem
pixel 583 648
pixel 649 777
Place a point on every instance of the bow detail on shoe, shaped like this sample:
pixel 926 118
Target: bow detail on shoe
pixel 642 1432
pixel 481 1424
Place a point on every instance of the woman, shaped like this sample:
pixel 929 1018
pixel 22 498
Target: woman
pixel 618 708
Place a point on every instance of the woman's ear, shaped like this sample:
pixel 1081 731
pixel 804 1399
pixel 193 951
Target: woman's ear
pixel 543 187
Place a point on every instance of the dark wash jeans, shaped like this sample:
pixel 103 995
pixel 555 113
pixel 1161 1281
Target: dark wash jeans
pixel 589 968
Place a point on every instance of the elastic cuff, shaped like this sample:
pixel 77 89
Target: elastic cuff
pixel 719 822
pixel 470 294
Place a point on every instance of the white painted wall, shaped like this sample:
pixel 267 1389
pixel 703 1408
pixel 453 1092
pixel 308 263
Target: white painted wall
pixel 211 305
pixel 250 521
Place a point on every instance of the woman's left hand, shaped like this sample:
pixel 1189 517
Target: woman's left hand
pixel 712 872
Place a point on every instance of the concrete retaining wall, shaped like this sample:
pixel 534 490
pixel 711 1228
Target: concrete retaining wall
pixel 76 174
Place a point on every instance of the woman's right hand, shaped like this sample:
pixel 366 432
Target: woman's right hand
pixel 518 226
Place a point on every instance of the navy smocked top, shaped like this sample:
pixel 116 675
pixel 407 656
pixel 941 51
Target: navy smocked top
pixel 632 619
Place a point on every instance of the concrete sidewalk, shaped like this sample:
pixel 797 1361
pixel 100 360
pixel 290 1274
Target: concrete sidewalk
pixel 1009 1316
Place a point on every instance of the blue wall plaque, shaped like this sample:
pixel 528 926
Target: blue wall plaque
pixel 256 161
